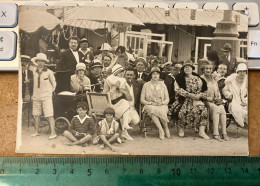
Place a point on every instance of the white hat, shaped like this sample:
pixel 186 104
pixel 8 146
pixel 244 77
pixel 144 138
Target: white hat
pixel 81 66
pixel 40 56
pixel 105 46
pixel 241 67
pixel 117 68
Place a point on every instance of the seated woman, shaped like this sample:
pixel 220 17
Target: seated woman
pixel 217 111
pixel 78 81
pixel 116 86
pixel 235 90
pixel 155 99
pixel 188 109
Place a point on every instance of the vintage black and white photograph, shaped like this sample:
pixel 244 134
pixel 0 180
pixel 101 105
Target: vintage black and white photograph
pixel 132 81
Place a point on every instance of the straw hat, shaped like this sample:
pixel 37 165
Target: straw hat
pixel 40 56
pixel 25 58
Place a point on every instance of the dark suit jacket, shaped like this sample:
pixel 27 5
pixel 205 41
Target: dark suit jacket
pixel 144 76
pixel 68 62
pixel 231 65
pixel 30 77
pixel 169 81
pixel 137 87
pixel 94 80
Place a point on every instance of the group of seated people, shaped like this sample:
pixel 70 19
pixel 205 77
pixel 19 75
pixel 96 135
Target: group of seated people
pixel 194 100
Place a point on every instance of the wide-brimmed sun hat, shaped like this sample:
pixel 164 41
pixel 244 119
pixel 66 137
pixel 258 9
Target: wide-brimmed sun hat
pixel 188 63
pixel 40 56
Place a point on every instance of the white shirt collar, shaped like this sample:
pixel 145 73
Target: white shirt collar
pixel 82 120
pixel 76 55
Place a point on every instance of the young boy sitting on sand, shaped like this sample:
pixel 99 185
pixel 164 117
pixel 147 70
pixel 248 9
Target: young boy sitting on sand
pixel 82 127
pixel 108 130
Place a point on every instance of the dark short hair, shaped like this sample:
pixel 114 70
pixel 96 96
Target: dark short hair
pixel 121 48
pixel 74 38
pixel 130 69
pixel 109 110
pixel 83 105
pixel 103 57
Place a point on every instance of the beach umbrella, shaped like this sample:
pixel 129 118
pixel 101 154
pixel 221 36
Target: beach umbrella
pixel 105 14
pixel 31 21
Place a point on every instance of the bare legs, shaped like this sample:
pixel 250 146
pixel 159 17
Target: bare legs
pixel 74 140
pixel 159 123
pixel 52 126
pixel 109 141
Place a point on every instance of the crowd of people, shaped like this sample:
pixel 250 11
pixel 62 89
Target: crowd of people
pixel 136 87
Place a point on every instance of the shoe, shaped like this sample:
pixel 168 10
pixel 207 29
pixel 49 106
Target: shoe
pixel 167 133
pixel 53 136
pixel 181 132
pixel 35 134
pixel 217 137
pixel 225 137
pixel 204 136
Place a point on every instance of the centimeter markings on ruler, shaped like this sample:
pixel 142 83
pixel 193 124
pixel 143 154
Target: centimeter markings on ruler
pixel 136 170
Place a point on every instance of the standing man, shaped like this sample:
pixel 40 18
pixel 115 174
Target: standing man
pixel 71 57
pixel 87 54
pixel 227 59
pixel 27 78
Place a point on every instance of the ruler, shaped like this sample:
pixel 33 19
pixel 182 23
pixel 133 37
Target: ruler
pixel 129 171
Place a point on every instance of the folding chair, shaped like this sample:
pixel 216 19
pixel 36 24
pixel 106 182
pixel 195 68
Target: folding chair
pixel 97 103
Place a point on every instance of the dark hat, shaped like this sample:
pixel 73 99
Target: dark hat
pixel 188 63
pixel 227 47
pixel 84 40
pixel 155 69
pixel 96 63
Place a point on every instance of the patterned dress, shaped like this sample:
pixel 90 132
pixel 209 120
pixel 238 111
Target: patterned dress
pixel 190 113
pixel 108 128
pixel 157 93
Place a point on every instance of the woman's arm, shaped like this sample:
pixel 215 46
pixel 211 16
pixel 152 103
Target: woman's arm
pixel 142 99
pixel 126 92
pixel 226 92
pixel 183 92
